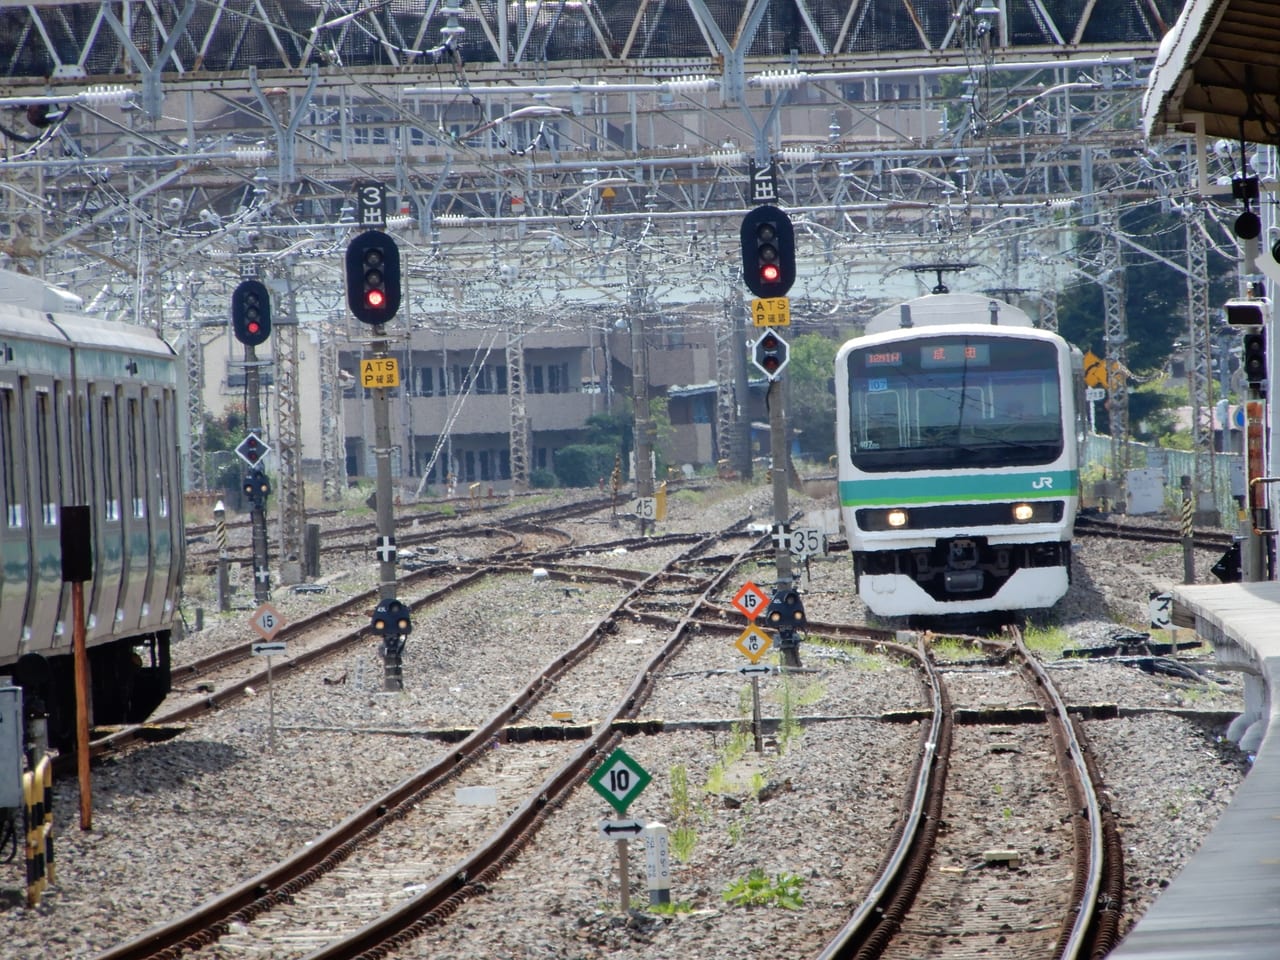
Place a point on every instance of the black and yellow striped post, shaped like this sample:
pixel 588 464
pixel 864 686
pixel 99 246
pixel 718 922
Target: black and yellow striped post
pixel 37 798
pixel 33 809
pixel 1188 539
pixel 44 774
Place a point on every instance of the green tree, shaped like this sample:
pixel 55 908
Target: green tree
pixel 584 464
pixel 811 409
pixel 224 434
pixel 1155 311
pixel 660 418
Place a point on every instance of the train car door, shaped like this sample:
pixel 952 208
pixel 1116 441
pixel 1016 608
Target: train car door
pixel 15 548
pixel 154 475
pixel 133 514
pixel 103 472
pixel 172 467
pixel 44 477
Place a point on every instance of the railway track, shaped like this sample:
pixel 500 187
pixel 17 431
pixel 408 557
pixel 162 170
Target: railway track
pixel 929 902
pixel 386 848
pixel 214 681
pixel 417 529
pixel 382 834
pixel 1121 528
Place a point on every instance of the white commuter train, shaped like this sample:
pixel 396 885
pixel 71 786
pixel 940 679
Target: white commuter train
pixel 958 433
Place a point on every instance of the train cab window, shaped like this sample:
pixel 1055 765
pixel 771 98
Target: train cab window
pixel 939 410
pixel 881 421
pixel 10 461
pixel 47 458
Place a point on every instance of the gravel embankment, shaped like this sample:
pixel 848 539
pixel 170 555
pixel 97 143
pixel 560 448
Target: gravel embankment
pixel 179 821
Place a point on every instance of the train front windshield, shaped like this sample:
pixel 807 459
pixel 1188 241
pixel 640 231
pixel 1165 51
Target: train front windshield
pixel 953 401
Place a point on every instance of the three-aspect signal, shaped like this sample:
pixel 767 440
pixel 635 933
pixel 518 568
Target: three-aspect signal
pixel 768 252
pixel 391 619
pixel 373 277
pixel 785 611
pixel 1254 359
pixel 770 354
pixel 251 312
pixel 257 488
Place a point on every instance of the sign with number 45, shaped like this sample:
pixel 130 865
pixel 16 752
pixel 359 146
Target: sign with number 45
pixel 807 542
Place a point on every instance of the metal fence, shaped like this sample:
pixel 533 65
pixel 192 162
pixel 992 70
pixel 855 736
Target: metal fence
pixel 1227 472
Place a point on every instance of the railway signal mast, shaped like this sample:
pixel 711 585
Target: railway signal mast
pixel 1252 313
pixel 373 294
pixel 769 270
pixel 251 325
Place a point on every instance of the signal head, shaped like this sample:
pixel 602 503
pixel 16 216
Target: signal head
pixel 391 619
pixel 770 354
pixel 373 277
pixel 251 312
pixel 768 251
pixel 1254 359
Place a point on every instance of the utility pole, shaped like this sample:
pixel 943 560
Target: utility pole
pixel 636 306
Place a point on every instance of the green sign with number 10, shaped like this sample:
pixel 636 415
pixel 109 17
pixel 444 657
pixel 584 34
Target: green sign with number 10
pixel 619 780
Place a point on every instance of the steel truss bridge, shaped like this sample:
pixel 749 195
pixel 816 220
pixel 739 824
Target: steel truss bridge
pixel 573 161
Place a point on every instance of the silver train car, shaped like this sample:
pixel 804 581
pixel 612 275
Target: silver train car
pixel 89 413
pixel 959 437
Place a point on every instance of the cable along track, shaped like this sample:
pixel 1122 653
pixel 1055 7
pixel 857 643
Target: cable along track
pixel 290 908
pixel 949 887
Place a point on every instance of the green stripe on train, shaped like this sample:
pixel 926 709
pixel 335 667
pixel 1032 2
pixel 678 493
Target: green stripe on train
pixel 901 490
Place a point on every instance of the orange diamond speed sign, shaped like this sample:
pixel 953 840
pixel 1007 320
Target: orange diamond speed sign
pixel 753 642
pixel 750 600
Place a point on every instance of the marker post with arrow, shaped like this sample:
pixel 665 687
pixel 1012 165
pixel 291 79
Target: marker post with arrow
pixel 268 622
pixel 753 643
pixel 620 780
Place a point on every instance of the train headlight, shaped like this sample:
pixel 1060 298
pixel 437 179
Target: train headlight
pixel 896 518
pixel 1022 512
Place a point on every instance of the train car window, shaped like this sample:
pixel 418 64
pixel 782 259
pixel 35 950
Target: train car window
pixel 46 458
pixel 10 444
pixel 136 459
pixel 106 435
pixel 164 458
pixel 79 451
pixel 151 456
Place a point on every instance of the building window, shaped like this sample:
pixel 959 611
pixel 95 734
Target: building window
pixel 558 378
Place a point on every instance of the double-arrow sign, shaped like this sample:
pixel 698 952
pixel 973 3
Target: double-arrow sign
pixel 616 829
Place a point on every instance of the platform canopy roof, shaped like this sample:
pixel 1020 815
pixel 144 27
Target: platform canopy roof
pixel 1221 60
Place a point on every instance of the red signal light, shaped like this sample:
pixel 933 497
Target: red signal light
pixel 770 273
pixel 375 298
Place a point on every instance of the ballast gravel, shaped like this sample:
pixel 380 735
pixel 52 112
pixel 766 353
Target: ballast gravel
pixel 174 823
